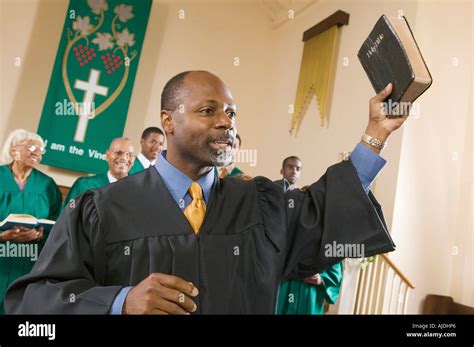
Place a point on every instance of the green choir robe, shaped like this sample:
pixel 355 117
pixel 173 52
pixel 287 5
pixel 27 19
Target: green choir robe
pixel 40 198
pixel 86 183
pixel 235 171
pixel 299 297
pixel 137 167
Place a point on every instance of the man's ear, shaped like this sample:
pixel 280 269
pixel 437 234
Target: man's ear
pixel 107 155
pixel 132 160
pixel 167 122
pixel 281 171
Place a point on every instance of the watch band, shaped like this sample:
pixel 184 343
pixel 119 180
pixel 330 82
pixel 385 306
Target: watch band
pixel 374 142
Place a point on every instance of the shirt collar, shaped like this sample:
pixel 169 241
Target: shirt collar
pixel 144 160
pixel 111 178
pixel 287 185
pixel 178 183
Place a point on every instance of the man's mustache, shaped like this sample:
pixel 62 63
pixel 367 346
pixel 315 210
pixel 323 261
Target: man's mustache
pixel 224 138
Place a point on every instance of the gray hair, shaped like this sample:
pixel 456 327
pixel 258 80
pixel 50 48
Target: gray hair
pixel 17 137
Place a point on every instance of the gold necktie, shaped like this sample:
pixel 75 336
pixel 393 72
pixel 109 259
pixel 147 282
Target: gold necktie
pixel 196 210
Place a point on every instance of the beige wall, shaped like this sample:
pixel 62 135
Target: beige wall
pixel 30 30
pixel 433 210
pixel 209 38
pixel 422 189
pixel 319 147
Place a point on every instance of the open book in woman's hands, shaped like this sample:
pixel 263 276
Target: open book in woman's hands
pixel 26 221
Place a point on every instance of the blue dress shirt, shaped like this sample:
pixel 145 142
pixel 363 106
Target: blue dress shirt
pixel 367 163
pixel 178 183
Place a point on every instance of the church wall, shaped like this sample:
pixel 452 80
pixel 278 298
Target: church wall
pixel 433 210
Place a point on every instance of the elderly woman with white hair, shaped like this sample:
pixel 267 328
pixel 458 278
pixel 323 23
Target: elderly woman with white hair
pixel 23 190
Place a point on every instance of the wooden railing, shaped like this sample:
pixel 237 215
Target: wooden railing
pixel 381 288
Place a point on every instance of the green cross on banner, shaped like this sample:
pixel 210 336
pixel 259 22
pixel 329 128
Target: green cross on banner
pixel 90 89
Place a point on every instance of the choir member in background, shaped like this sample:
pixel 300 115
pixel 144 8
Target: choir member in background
pixel 291 172
pixel 24 190
pixel 306 296
pixel 151 143
pixel 232 170
pixel 120 158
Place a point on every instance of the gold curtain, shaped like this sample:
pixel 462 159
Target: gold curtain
pixel 315 73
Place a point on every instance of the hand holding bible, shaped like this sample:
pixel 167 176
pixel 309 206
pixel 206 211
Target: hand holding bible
pixel 380 125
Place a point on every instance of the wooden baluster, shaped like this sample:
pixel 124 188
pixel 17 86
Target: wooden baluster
pixel 360 291
pixel 399 296
pixel 383 285
pixel 391 293
pixel 378 275
pixel 405 299
pixel 368 272
pixel 370 295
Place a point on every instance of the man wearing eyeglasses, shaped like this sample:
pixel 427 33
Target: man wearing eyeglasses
pixel 120 157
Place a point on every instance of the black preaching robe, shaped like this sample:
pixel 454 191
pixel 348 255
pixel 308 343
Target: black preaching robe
pixel 253 237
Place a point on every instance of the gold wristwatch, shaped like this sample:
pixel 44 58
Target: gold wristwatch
pixel 374 142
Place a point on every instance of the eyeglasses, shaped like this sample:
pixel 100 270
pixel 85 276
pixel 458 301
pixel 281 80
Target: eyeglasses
pixel 128 155
pixel 34 148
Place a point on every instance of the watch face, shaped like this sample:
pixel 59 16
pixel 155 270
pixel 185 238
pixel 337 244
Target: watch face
pixel 373 141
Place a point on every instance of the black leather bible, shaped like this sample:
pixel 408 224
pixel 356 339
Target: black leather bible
pixel 391 54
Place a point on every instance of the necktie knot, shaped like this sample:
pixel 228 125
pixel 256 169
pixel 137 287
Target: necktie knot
pixel 195 191
pixel 196 210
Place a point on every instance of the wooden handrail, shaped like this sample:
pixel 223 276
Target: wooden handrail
pixel 397 270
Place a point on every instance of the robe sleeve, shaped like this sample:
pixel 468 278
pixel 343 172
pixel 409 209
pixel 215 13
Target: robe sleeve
pixel 68 276
pixel 331 279
pixel 333 213
pixel 55 199
pixel 75 190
